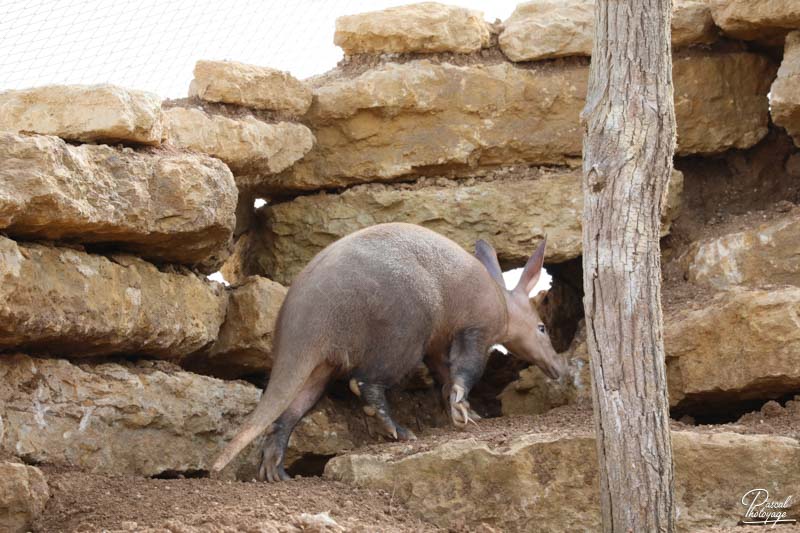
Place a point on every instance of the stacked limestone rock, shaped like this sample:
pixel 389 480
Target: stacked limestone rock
pixel 731 342
pixel 438 118
pixel 103 251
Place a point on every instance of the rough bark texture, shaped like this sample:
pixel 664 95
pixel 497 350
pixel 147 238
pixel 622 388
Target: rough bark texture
pixel 628 149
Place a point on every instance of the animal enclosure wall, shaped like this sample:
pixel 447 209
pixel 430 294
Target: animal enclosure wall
pixel 120 356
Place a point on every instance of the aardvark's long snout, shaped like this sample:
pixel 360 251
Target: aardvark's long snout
pixel 555 367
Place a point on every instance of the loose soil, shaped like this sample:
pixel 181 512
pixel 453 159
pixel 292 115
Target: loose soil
pixel 82 501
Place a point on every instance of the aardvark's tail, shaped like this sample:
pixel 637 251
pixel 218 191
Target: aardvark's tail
pixel 284 385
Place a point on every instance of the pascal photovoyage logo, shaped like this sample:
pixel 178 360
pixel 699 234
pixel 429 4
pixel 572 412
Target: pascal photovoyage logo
pixel 761 510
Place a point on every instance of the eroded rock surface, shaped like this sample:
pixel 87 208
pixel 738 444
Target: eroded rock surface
pixel 237 83
pixel 245 144
pixel 421 27
pixel 550 479
pixel 422 117
pixel 766 254
pixel 756 19
pixel 150 417
pixel 544 29
pixel 244 346
pixel 172 207
pixel 66 302
pixel 512 212
pixel 784 97
pixel 88 113
pixel 741 344
pixel 23 495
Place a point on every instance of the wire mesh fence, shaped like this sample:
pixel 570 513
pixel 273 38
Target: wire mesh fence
pixel 153 44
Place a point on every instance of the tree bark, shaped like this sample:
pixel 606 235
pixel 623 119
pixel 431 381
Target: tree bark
pixel 629 142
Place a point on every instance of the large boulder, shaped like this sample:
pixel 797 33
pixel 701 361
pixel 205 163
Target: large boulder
pixel 784 97
pixel 766 254
pixel 244 345
pixel 237 83
pixel 165 206
pixel 23 495
pixel 543 29
pixel 424 27
pixel 721 100
pixel 740 345
pixel 149 418
pixel 64 301
pixel 550 479
pixel 756 19
pixel 514 212
pixel 422 117
pixel 88 113
pixel 245 144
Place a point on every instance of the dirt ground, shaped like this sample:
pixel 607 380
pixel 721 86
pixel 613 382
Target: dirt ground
pixel 93 502
pixel 82 502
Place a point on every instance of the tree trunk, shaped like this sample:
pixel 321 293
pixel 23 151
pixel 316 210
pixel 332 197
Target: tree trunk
pixel 627 161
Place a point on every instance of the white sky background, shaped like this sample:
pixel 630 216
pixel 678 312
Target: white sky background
pixel 153 44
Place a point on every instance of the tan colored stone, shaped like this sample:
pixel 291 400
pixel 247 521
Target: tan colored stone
pixel 23 495
pixel 550 479
pixel 89 113
pixel 766 254
pixel 742 344
pixel 150 417
pixel 423 27
pixel 692 23
pixel 544 29
pixel 164 206
pixel 232 82
pixel 245 144
pixel 64 301
pixel 784 97
pixel 756 19
pixel 244 346
pixel 420 117
pixel 721 100
pixel 512 213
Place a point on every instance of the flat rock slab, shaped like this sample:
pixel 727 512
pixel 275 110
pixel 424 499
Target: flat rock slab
pixel 551 479
pixel 23 496
pixel 742 344
pixel 424 27
pixel 245 144
pixel 66 302
pixel 244 345
pixel 756 19
pixel 150 417
pixel 766 254
pixel 165 206
pixel 513 213
pixel 250 86
pixel 87 113
pixel 427 118
pixel 784 97
pixel 544 29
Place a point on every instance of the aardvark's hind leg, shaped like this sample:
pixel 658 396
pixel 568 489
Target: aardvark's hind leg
pixel 374 397
pixel 274 449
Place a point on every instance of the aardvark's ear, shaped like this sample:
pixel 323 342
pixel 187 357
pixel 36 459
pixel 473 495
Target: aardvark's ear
pixel 533 269
pixel 488 257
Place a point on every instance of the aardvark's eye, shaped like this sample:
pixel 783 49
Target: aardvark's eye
pixel 541 328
